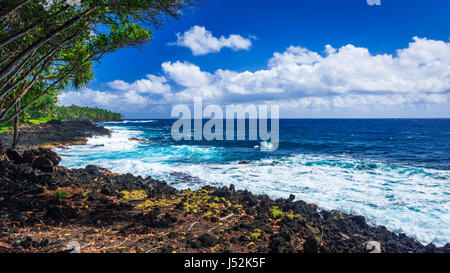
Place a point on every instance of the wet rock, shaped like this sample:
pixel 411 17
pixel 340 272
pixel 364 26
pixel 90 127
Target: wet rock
pixel 430 248
pixel 141 140
pixel 291 198
pixel 243 162
pixel 446 248
pixel 359 220
pixel 43 164
pixel 94 170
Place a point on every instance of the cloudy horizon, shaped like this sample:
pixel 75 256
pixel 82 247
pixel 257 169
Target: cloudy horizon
pixel 339 80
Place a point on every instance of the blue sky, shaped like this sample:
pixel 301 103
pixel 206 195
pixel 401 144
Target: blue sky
pixel 321 58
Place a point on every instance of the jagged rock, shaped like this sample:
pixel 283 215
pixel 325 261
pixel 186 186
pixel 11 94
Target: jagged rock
pixel 96 196
pixel 311 245
pixel 49 154
pixel 28 156
pixel 14 156
pixel 446 248
pixel 280 243
pixel 430 248
pixel 337 215
pixel 291 198
pixel 94 170
pixel 43 164
pixel 359 220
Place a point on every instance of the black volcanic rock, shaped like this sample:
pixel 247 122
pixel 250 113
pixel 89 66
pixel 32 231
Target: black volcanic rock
pixel 56 133
pixel 43 164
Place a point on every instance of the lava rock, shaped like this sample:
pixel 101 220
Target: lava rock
pixel 96 196
pixel 50 155
pixel 94 170
pixel 311 245
pixel 14 156
pixel 207 240
pixel 359 220
pixel 43 164
pixel 28 156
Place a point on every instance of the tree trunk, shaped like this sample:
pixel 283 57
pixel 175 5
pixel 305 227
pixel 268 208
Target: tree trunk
pixel 34 67
pixel 16 128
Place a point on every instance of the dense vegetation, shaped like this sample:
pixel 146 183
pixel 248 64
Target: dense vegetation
pixel 48 45
pixel 76 113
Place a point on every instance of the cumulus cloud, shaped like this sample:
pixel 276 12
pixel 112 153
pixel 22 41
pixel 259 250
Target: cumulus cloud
pixel 186 74
pixel 422 68
pixel 349 77
pixel 152 84
pixel 201 41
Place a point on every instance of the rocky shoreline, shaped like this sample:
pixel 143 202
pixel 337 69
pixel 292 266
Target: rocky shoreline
pixel 55 133
pixel 48 208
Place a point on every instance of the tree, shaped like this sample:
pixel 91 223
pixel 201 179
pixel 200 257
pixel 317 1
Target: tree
pixel 47 45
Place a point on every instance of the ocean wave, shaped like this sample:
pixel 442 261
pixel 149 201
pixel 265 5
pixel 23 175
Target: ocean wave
pixel 407 199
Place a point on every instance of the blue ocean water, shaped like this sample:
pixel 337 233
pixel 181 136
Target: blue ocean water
pixel 396 172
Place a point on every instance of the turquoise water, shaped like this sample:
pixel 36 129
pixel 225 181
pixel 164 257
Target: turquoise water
pixel 394 172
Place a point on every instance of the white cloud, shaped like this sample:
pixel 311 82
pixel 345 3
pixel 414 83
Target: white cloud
pixel 201 41
pixel 152 84
pixel 186 74
pixel 349 78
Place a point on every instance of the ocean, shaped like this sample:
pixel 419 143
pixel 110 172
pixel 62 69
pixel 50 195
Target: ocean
pixel 395 172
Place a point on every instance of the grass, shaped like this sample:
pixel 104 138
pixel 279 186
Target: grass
pixel 38 121
pixel 5 127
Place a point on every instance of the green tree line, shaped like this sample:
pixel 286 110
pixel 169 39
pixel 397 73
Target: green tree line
pixel 73 112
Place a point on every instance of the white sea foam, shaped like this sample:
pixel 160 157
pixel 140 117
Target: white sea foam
pixel 412 200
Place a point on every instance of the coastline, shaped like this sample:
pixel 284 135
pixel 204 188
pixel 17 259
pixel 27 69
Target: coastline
pixel 46 206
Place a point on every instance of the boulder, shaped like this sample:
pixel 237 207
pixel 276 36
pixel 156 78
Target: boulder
pixel 28 156
pixel 14 156
pixel 43 164
pixel 359 220
pixel 50 155
pixel 94 170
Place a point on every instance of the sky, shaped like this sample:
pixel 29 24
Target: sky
pixel 313 58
